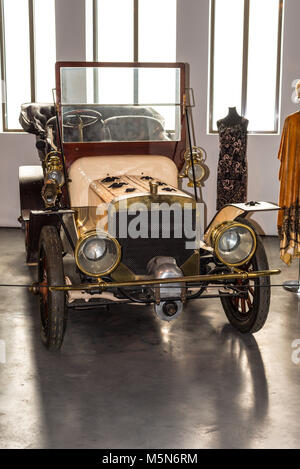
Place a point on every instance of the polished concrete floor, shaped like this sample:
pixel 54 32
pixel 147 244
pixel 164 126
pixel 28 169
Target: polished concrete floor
pixel 124 379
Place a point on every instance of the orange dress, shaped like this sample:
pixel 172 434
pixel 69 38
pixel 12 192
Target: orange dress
pixel 289 199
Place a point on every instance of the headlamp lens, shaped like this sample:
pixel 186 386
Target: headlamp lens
pixel 234 243
pixel 97 254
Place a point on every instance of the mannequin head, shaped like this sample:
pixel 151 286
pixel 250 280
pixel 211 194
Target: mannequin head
pixel 298 89
pixel 232 111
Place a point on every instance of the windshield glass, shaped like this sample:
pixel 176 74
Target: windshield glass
pixel 104 104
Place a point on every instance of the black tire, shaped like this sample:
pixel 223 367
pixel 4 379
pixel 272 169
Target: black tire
pixel 249 316
pixel 53 311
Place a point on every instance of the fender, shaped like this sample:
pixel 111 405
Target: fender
pixel 40 218
pixel 34 215
pixel 31 180
pixel 232 211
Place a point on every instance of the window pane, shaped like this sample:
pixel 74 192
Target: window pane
pixel 157 30
pixel 115 30
pixel 45 50
pixel 161 86
pixel 146 113
pixel 109 89
pixel 262 64
pixel 77 83
pixel 228 57
pixel 17 58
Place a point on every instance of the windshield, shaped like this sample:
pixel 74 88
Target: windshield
pixel 105 104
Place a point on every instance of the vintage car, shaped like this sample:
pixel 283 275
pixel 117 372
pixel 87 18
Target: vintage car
pixel 105 217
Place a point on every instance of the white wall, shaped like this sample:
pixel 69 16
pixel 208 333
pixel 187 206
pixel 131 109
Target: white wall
pixel 16 149
pixel 263 166
pixel 70 29
pixel 193 36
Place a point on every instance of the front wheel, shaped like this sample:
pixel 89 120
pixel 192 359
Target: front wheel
pixel 53 310
pixel 248 314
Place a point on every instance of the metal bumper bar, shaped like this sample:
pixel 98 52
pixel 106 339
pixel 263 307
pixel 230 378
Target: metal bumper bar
pixel 102 285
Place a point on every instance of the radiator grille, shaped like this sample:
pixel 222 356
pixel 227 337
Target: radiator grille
pixel 137 252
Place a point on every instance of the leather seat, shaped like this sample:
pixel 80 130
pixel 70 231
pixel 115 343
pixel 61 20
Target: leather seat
pixel 135 128
pixel 121 122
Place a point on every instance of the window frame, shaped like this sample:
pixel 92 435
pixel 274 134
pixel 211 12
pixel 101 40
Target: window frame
pixel 135 31
pixel 245 68
pixel 95 51
pixel 3 93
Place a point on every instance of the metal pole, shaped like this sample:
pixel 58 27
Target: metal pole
pixel 191 151
pixel 293 286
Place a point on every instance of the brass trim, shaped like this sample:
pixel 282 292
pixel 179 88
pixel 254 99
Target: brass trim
pixel 199 157
pixel 90 234
pixel 192 264
pixel 220 230
pixel 188 279
pixel 122 273
pixel 53 162
pixel 153 187
pixel 229 212
pixel 147 199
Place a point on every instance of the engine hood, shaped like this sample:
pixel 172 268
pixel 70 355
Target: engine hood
pixel 115 189
pixel 120 193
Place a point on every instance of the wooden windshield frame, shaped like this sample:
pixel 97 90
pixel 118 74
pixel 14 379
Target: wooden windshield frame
pixel 172 149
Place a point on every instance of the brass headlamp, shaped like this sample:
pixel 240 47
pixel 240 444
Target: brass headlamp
pixel 201 170
pixel 234 243
pixel 54 178
pixel 54 168
pixel 97 253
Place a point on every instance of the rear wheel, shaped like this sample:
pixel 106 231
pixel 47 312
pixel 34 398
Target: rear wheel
pixel 53 310
pixel 249 313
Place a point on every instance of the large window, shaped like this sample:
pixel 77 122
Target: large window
pixel 245 62
pixel 131 30
pixel 27 56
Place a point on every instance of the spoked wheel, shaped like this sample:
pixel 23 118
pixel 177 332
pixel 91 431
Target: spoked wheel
pixel 248 312
pixel 53 310
pixel 243 305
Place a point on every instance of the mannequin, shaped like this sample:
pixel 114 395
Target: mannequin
pixel 298 90
pixel 232 167
pixel 289 176
pixel 233 118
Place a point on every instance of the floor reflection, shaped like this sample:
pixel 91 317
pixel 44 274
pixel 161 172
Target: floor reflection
pixel 125 379
pixel 243 381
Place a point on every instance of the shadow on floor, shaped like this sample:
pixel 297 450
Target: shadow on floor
pixel 124 379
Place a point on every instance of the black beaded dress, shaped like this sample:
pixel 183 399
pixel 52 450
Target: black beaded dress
pixel 232 168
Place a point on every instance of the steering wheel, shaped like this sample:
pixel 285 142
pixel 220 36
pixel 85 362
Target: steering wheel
pixel 81 118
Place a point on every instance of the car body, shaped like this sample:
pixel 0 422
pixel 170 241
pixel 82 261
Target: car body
pixel 105 216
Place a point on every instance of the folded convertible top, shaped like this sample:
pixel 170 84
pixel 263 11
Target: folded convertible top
pixel 34 116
